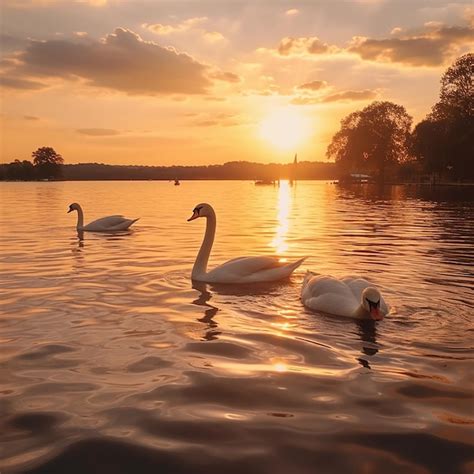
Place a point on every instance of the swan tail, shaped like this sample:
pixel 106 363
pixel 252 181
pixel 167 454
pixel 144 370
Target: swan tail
pixel 288 269
pixel 296 264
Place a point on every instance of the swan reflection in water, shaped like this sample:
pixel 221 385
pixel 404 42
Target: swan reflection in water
pixel 210 311
pixel 367 330
pixel 207 291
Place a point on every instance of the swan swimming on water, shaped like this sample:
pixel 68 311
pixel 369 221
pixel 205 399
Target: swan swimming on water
pixel 237 270
pixel 105 224
pixel 350 297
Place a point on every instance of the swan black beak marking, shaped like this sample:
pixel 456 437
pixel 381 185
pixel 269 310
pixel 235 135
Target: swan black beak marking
pixel 375 309
pixel 194 216
pixel 70 210
pixel 195 213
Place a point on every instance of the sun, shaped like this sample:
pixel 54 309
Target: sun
pixel 285 128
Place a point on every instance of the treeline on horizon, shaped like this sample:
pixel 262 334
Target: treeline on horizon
pixel 239 170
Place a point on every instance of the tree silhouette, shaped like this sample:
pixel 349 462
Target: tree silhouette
pixel 373 138
pixel 47 162
pixel 457 93
pixel 444 141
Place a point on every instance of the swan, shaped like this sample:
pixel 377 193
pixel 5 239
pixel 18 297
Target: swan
pixel 237 270
pixel 105 224
pixel 352 297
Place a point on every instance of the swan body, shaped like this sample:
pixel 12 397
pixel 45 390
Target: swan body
pixel 351 297
pixel 237 270
pixel 104 224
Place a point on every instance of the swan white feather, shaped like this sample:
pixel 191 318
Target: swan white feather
pixel 237 270
pixel 104 224
pixel 351 297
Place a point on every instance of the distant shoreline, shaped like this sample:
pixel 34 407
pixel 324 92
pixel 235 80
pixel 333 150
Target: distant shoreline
pixel 251 181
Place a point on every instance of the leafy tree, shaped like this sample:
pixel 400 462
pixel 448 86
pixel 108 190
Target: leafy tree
pixel 444 141
pixel 373 138
pixel 47 162
pixel 20 170
pixel 457 91
pixel 428 144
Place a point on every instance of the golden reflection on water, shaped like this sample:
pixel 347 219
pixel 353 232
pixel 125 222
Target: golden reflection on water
pixel 284 208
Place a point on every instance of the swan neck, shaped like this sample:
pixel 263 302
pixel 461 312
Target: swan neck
pixel 80 218
pixel 200 265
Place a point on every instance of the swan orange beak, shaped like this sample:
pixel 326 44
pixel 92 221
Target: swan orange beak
pixel 376 314
pixel 70 210
pixel 194 216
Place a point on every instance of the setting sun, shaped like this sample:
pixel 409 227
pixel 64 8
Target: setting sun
pixel 285 129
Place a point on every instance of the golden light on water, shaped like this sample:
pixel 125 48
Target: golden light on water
pixel 284 207
pixel 286 129
pixel 280 367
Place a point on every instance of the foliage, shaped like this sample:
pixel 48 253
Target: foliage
pixel 373 138
pixel 47 162
pixel 444 141
pixel 19 170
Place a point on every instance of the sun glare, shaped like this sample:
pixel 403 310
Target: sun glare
pixel 285 129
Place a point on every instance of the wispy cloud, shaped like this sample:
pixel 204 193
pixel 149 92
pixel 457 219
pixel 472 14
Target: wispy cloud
pixel 341 96
pixel 191 25
pixel 98 132
pixel 313 86
pixel 15 82
pixel 186 25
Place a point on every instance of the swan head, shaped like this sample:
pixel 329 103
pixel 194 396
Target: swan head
pixel 371 302
pixel 73 207
pixel 202 210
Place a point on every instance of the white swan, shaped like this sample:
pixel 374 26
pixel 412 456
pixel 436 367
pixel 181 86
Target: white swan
pixel 237 270
pixel 105 224
pixel 350 296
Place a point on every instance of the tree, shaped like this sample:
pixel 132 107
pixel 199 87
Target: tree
pixel 47 162
pixel 20 170
pixel 457 91
pixel 444 141
pixel 428 144
pixel 373 138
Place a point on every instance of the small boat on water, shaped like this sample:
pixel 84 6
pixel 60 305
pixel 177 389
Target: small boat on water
pixel 355 178
pixel 262 182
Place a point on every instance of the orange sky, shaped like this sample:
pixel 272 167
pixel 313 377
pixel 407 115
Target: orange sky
pixel 188 82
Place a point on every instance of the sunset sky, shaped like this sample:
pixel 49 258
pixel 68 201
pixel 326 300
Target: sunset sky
pixel 200 82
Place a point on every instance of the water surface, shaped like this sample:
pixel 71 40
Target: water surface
pixel 111 360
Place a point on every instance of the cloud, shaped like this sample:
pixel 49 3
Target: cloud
pixel 122 61
pixel 13 82
pixel 292 12
pixel 313 85
pixel 48 3
pixel 30 117
pixel 182 27
pixel 189 25
pixel 303 45
pixel 11 43
pixel 435 46
pixel 213 37
pixel 226 76
pixel 223 119
pixel 350 96
pixel 342 96
pixel 98 132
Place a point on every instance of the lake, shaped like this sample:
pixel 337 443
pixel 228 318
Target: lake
pixel 111 360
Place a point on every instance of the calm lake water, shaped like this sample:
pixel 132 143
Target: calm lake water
pixel 111 361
